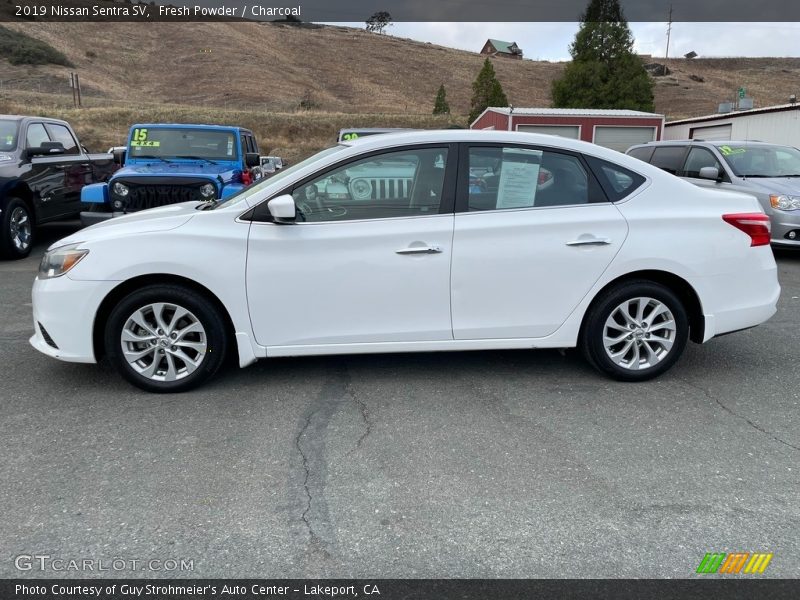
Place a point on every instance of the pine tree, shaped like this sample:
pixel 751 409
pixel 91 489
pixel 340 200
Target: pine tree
pixel 486 91
pixel 440 105
pixel 604 72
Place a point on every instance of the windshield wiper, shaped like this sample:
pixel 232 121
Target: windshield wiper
pixel 755 175
pixel 150 157
pixel 208 160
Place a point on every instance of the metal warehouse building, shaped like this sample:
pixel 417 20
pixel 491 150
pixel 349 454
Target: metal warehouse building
pixel 776 124
pixel 616 129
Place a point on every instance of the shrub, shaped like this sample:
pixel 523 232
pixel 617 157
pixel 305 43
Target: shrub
pixel 22 49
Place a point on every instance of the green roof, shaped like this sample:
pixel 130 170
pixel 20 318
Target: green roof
pixel 502 46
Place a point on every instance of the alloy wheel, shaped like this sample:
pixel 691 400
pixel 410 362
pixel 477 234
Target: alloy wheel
pixel 20 229
pixel 639 333
pixel 164 341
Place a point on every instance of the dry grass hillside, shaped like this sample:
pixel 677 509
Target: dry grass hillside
pixel 258 73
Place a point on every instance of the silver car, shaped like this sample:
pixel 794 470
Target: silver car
pixel 769 172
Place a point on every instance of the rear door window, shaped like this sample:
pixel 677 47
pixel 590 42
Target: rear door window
pixel 508 178
pixel 668 158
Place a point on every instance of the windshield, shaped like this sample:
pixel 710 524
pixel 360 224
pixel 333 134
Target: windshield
pixel 762 160
pixel 189 143
pixel 282 174
pixel 8 135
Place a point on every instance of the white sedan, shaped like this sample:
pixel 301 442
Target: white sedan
pixel 607 253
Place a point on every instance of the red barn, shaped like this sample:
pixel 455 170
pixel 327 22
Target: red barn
pixel 616 129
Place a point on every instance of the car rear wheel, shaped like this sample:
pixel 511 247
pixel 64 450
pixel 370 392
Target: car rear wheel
pixel 635 331
pixel 16 230
pixel 166 338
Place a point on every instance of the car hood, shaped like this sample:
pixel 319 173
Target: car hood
pixel 163 218
pixel 177 169
pixel 780 185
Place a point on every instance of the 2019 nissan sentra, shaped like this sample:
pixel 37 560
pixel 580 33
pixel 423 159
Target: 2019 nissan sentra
pixel 385 245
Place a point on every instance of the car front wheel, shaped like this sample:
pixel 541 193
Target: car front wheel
pixel 16 230
pixel 166 338
pixel 635 331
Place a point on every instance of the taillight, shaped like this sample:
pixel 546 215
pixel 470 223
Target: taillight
pixel 756 225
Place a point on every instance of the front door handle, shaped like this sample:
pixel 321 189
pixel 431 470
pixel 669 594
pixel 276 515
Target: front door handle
pixel 420 250
pixel 593 241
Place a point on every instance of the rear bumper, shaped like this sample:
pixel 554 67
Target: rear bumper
pixel 731 302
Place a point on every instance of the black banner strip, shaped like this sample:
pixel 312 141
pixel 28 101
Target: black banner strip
pixel 734 588
pixel 341 11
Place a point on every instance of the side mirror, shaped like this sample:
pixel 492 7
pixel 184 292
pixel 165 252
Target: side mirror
pixel 46 149
pixel 282 209
pixel 710 173
pixel 119 155
pixel 252 159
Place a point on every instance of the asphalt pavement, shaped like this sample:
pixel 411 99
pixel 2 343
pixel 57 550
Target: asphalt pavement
pixel 477 464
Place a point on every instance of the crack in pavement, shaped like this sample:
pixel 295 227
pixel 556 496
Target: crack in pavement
pixel 307 473
pixel 310 443
pixel 733 413
pixel 362 407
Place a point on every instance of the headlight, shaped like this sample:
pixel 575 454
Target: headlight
pixel 361 189
pixel 6 157
pixel 208 191
pixel 785 202
pixel 59 261
pixel 120 189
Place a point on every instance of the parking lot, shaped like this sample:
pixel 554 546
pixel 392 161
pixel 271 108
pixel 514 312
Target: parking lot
pixel 479 464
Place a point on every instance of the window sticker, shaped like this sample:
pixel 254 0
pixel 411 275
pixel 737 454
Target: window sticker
pixel 230 146
pixel 727 150
pixel 140 140
pixel 518 181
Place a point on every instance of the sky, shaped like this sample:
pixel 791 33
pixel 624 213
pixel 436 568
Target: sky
pixel 550 41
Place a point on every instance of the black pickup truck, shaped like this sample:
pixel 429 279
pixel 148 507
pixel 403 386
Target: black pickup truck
pixel 42 170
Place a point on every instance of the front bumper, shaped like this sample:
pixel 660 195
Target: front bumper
pixel 781 225
pixel 66 309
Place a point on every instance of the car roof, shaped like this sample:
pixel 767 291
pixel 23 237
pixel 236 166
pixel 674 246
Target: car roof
pixel 475 135
pixel 716 143
pixel 191 126
pixel 31 118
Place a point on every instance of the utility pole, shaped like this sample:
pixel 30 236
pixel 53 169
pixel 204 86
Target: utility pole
pixel 72 86
pixel 669 30
pixel 78 85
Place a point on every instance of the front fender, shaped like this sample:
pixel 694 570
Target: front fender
pixel 95 193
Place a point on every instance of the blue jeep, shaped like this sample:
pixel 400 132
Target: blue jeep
pixel 166 164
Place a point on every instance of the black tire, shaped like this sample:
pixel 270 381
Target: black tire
pixel 635 368
pixel 16 243
pixel 200 309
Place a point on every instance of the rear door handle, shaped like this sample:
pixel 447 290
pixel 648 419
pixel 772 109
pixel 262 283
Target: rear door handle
pixel 593 241
pixel 420 250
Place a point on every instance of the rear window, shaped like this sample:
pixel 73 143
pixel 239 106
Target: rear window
pixel 668 158
pixel 642 153
pixel 617 182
